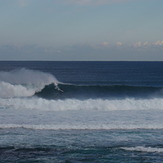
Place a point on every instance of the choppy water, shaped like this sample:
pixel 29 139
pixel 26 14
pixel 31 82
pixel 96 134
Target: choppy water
pixel 81 112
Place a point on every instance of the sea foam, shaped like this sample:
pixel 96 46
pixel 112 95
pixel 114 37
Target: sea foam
pixel 24 82
pixel 75 104
pixel 144 149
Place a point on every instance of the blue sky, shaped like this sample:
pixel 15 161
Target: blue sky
pixel 81 29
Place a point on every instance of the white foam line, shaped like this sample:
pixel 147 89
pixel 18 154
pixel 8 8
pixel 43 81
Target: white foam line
pixel 76 127
pixel 143 149
pixel 89 104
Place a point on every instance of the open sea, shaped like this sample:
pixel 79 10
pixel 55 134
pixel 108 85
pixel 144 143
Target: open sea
pixel 73 112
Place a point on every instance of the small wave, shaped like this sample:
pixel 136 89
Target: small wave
pixel 84 127
pixel 144 149
pixel 24 82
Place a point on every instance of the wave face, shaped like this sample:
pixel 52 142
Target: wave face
pixel 23 82
pixel 99 91
pixel 26 83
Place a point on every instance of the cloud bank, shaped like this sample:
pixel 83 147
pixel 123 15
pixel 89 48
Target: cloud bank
pixel 147 44
pixel 119 51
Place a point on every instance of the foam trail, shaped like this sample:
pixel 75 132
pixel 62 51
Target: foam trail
pixel 83 126
pixel 23 82
pixel 143 149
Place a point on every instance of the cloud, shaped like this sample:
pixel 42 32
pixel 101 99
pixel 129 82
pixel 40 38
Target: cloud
pixel 158 43
pixel 119 43
pixel 105 43
pixel 83 52
pixel 141 44
pixel 147 44
pixel 93 2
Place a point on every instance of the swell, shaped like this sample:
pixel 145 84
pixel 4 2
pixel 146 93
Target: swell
pixel 64 91
pixel 24 83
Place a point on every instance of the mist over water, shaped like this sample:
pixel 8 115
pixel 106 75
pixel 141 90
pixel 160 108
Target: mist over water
pixel 23 82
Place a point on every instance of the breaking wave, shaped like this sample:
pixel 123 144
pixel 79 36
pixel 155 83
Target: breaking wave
pixel 24 82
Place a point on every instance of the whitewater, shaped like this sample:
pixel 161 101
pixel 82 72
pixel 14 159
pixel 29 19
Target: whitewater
pixel 23 82
pixel 81 111
pixel 18 94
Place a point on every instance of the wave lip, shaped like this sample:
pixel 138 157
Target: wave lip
pixel 24 82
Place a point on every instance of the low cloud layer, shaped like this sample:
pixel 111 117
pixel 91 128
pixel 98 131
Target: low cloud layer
pixel 119 51
pixel 147 43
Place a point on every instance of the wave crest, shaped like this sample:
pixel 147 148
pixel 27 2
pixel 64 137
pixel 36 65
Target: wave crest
pixel 69 91
pixel 24 82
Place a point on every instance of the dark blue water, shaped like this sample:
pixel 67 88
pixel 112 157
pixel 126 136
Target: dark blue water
pixel 96 73
pixel 81 112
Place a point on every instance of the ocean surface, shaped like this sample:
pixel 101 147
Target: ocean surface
pixel 72 112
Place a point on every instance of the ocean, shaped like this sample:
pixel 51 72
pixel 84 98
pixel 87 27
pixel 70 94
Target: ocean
pixel 72 112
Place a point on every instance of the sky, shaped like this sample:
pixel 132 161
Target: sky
pixel 84 30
